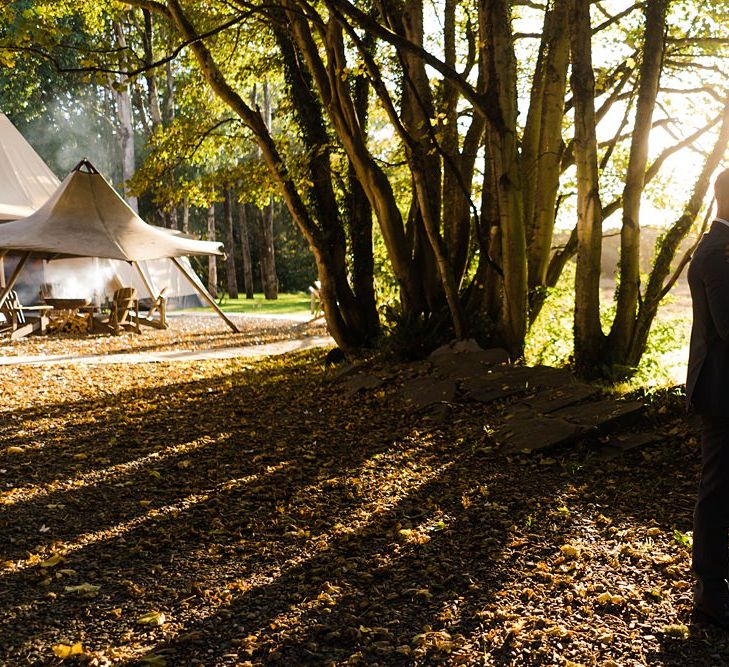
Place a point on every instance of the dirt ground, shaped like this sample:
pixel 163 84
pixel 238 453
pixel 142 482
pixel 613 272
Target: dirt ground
pixel 249 512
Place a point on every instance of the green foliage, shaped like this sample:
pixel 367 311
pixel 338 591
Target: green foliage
pixel 550 337
pixel 665 357
pixel 295 264
pixel 684 539
pixel 386 287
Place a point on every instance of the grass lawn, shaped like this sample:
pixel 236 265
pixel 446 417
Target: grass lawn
pixel 286 303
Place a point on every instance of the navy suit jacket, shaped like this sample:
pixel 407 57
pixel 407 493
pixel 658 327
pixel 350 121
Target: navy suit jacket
pixel 707 382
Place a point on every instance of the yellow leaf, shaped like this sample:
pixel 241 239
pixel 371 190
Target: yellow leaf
pixel 569 551
pixel 87 590
pixel 54 560
pixel 64 651
pixel 679 631
pixel 14 450
pixel 609 598
pixel 145 503
pixel 152 618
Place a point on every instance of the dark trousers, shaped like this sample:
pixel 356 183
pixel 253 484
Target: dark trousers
pixel 711 515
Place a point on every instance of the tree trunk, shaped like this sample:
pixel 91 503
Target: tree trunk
pixel 356 302
pixel 588 332
pixel 150 75
pixel 455 225
pixel 543 145
pixel 499 63
pixel 125 124
pixel 169 95
pixel 230 277
pixel 629 283
pixel 424 162
pixel 173 217
pixel 266 256
pixel 212 259
pixel 486 293
pixel 336 95
pixel 186 215
pixel 245 250
pixel 359 213
pixel 348 339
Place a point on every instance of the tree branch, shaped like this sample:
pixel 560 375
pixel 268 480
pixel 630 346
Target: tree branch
pixel 614 19
pixel 129 72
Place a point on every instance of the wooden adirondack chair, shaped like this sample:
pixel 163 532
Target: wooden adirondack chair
pixel 124 314
pixel 158 307
pixel 21 320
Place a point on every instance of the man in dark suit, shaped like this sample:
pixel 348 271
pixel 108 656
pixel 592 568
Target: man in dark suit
pixel 707 391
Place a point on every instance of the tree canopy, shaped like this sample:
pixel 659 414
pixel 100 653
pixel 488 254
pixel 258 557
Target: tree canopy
pixel 435 147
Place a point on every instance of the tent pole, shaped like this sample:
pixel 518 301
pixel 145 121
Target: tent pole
pixel 2 267
pixel 147 286
pixel 204 294
pixel 13 278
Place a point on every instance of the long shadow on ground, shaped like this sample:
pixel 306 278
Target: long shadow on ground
pixel 272 519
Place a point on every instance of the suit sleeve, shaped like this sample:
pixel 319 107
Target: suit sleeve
pixel 716 281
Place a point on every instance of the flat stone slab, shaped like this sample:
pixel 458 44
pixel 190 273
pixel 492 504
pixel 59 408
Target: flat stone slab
pixel 483 390
pixel 617 445
pixel 422 392
pixel 536 433
pixel 468 364
pixel 550 400
pixel 600 413
pixel 628 441
pixel 456 347
pixel 506 381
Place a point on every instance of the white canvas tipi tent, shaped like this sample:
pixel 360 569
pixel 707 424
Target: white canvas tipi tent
pixel 86 218
pixel 26 183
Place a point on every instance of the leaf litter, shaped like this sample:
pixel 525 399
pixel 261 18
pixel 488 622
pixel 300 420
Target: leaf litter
pixel 248 512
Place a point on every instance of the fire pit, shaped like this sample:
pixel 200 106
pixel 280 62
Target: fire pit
pixel 66 304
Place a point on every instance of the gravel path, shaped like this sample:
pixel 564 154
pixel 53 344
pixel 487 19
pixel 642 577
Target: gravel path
pixel 190 336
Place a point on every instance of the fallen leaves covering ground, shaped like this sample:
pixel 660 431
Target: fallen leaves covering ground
pixel 236 512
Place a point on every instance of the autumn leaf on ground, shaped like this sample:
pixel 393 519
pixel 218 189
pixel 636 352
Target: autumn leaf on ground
pixel 85 590
pixel 55 559
pixel 64 651
pixel 152 618
pixel 609 598
pixel 570 551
